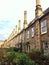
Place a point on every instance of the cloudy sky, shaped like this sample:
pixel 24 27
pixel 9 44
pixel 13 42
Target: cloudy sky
pixel 12 10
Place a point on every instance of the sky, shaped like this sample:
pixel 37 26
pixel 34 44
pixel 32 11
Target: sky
pixel 13 10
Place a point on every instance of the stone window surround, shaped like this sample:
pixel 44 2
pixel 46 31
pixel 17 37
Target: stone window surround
pixel 43 27
pixel 32 31
pixel 28 34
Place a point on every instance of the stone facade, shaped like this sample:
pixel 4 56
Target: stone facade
pixel 31 36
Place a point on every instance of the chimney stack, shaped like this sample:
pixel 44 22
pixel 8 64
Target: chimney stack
pixel 16 29
pixel 19 26
pixel 25 20
pixel 37 2
pixel 38 11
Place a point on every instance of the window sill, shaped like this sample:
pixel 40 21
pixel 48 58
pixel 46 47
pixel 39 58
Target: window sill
pixel 43 33
pixel 32 36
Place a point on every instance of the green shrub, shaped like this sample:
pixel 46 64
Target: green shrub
pixel 9 56
pixel 16 49
pixel 23 59
pixel 11 49
pixel 34 54
pixel 18 58
pixel 44 57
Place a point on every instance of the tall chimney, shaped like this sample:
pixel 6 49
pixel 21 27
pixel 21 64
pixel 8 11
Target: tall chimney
pixel 38 10
pixel 37 2
pixel 19 26
pixel 16 29
pixel 25 20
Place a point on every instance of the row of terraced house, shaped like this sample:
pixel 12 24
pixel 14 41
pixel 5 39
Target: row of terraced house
pixel 34 35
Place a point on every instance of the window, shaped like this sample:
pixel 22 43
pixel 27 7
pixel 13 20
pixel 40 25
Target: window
pixel 23 36
pixel 43 27
pixel 27 34
pixel 45 48
pixel 33 32
pixel 34 45
pixel 28 47
pixel 46 45
pixel 20 36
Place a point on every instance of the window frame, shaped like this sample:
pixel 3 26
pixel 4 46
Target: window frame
pixel 32 30
pixel 43 27
pixel 28 34
pixel 34 45
pixel 45 47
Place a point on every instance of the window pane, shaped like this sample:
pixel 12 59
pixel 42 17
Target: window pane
pixel 46 45
pixel 23 36
pixel 43 27
pixel 27 34
pixel 43 23
pixel 32 31
pixel 45 48
pixel 34 45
